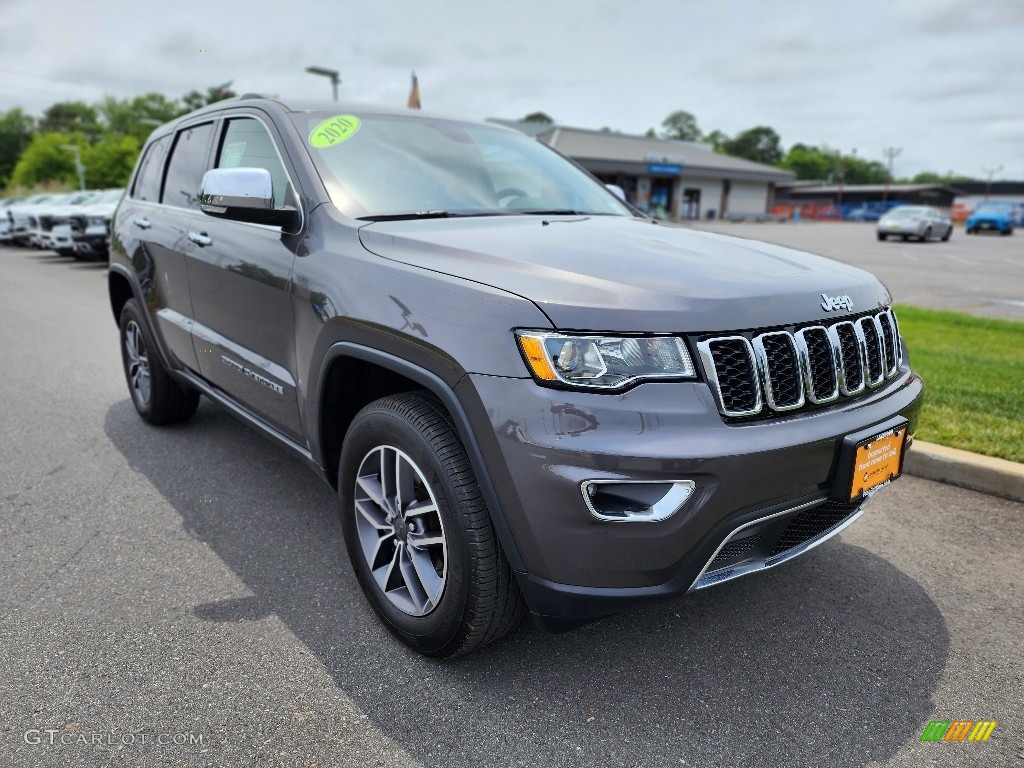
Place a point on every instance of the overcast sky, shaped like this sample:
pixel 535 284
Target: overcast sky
pixel 943 79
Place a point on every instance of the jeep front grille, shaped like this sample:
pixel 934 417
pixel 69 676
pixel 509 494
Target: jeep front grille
pixel 780 371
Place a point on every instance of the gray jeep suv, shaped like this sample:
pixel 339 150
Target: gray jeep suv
pixel 525 395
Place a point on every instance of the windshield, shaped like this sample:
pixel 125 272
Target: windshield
pixel 399 166
pixel 996 207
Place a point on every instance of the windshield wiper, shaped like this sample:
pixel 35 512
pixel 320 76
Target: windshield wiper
pixel 555 212
pixel 410 215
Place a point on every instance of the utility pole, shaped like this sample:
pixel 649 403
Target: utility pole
pixel 988 186
pixel 842 180
pixel 891 153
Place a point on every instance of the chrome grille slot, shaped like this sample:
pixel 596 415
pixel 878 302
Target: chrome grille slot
pixel 816 364
pixel 851 357
pixel 780 370
pixel 729 363
pixel 819 364
pixel 889 343
pixel 874 368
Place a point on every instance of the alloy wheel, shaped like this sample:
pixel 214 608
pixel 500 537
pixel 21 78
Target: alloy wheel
pixel 138 362
pixel 401 534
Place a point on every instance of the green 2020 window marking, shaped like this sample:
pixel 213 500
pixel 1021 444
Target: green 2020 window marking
pixel 334 131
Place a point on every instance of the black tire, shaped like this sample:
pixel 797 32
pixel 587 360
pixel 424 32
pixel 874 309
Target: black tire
pixel 882 237
pixel 927 235
pixel 1007 231
pixel 162 401
pixel 949 234
pixel 478 600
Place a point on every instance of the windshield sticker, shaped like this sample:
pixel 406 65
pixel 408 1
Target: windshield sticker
pixel 334 130
pixel 232 154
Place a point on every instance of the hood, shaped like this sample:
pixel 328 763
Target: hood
pixel 610 273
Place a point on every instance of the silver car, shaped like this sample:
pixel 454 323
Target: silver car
pixel 918 221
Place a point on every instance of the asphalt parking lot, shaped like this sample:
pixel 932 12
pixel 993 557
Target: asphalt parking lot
pixel 979 274
pixel 181 597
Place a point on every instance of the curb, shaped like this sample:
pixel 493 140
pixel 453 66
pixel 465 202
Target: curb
pixel 996 477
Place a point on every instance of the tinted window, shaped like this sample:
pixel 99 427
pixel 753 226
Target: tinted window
pixel 147 182
pixel 247 144
pixel 187 165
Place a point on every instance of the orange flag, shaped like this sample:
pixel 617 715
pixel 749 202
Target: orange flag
pixel 414 94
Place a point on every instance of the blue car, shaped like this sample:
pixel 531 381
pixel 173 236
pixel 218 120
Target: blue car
pixel 996 217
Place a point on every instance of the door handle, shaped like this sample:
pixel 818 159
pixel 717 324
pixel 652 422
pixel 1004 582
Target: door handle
pixel 200 238
pixel 142 222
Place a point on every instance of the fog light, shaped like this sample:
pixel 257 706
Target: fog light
pixel 639 501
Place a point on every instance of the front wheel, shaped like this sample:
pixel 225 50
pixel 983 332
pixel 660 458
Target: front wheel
pixel 418 532
pixel 882 237
pixel 949 234
pixel 156 396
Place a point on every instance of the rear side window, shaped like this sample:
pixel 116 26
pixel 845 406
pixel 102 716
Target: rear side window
pixel 247 144
pixel 147 182
pixel 187 165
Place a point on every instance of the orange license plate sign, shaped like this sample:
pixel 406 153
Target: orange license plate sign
pixel 878 461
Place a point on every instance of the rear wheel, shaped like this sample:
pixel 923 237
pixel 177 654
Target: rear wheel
pixel 156 396
pixel 418 532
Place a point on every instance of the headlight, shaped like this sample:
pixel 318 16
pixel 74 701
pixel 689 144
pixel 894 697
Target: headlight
pixel 97 221
pixel 603 362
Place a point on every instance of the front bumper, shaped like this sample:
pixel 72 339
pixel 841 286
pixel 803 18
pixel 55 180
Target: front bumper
pixel 540 445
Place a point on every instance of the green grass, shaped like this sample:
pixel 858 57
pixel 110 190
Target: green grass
pixel 973 370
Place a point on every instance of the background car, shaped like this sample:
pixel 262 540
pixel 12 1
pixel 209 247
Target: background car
pixel 23 217
pixel 996 217
pixel 52 231
pixel 6 234
pixel 918 221
pixel 90 226
pixel 863 213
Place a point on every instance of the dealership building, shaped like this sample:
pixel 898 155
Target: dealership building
pixel 670 179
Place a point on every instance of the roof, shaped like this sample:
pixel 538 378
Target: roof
pixel 585 144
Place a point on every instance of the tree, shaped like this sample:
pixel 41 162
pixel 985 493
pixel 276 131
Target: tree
pixel 45 159
pixel 760 144
pixel 71 117
pixel 194 99
pixel 137 117
pixel 16 129
pixel 716 139
pixel 109 162
pixel 680 126
pixel 538 117
pixel 650 134
pixel 808 163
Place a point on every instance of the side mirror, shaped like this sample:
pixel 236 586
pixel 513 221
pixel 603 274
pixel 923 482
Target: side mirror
pixel 243 194
pixel 618 191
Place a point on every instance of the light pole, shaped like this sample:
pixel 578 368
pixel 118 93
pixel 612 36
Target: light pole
pixel 331 73
pixel 79 168
pixel 988 186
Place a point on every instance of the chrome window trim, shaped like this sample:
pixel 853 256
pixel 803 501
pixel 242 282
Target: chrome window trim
pixel 764 371
pixel 711 370
pixel 804 352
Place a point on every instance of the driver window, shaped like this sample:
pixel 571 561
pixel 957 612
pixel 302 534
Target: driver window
pixel 247 144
